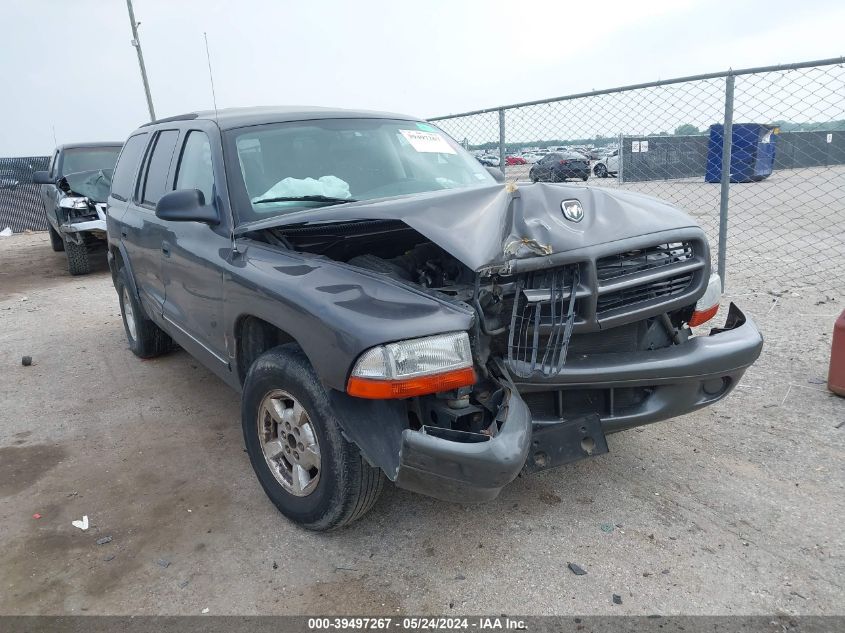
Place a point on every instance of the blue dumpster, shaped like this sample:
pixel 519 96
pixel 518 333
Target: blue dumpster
pixel 752 152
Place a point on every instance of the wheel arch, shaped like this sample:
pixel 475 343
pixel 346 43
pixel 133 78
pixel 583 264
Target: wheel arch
pixel 253 337
pixel 118 259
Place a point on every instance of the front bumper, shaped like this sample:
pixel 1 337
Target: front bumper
pixel 678 380
pixel 83 225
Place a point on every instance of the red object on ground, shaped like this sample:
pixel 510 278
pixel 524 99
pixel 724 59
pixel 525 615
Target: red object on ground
pixel 836 375
pixel 36 516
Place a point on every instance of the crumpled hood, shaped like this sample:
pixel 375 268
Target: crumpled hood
pixel 93 184
pixel 486 226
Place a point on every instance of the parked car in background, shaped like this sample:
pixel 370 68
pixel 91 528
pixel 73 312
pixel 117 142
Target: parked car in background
pixel 489 160
pixel 515 160
pixel 74 190
pixel 560 166
pixel 388 309
pixel 8 180
pixel 607 166
pixel 535 156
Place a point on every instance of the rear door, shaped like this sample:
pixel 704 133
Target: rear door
pixel 195 253
pixel 141 231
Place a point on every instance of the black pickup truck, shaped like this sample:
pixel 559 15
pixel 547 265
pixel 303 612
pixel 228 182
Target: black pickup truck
pixel 389 307
pixel 73 190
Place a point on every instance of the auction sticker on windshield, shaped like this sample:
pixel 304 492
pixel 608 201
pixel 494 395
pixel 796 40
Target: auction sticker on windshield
pixel 430 142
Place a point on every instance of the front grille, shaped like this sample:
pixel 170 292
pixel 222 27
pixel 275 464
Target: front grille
pixel 542 317
pixel 585 307
pixel 649 258
pixel 630 297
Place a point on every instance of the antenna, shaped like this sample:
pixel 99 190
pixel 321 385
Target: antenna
pixel 55 142
pixel 210 74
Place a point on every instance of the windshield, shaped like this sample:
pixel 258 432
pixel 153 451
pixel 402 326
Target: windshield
pixel 89 159
pixel 287 167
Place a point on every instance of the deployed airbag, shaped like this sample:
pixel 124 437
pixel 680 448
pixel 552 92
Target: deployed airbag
pixel 329 186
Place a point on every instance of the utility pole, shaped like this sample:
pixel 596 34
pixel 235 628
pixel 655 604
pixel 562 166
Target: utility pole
pixel 137 44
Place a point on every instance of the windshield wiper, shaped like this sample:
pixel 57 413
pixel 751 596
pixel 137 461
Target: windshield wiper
pixel 326 199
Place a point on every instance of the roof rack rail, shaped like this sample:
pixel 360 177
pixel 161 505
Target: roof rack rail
pixel 179 117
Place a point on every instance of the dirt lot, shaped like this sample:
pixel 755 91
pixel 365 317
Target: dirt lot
pixel 734 509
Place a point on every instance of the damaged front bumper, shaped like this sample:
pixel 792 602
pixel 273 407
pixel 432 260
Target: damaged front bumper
pixel 86 224
pixel 469 467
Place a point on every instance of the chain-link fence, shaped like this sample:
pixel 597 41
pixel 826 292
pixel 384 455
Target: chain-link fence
pixel 775 218
pixel 21 207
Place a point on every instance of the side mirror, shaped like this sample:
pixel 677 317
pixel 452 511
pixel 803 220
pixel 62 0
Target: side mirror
pixel 186 205
pixel 42 178
pixel 497 173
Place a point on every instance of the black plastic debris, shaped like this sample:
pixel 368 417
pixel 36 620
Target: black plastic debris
pixel 104 540
pixel 617 599
pixel 163 562
pixel 577 569
pixel 26 361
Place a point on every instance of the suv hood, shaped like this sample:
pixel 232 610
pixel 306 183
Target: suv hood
pixel 486 226
pixel 94 184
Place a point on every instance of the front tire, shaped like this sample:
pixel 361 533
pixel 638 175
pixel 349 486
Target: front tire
pixel 146 339
pixel 78 260
pixel 56 241
pixel 293 437
pixel 600 170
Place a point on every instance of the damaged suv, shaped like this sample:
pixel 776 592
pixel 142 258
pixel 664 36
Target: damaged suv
pixel 391 309
pixel 74 190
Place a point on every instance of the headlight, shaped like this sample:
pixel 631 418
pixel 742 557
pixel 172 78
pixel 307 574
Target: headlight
pixel 71 202
pixel 413 367
pixel 707 307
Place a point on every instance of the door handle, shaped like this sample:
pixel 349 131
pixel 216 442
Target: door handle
pixel 165 249
pixel 124 233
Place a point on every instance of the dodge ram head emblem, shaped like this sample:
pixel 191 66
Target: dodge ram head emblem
pixel 572 210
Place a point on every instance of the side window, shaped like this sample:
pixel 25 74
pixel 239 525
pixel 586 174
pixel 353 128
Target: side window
pixel 127 166
pixel 158 166
pixel 195 169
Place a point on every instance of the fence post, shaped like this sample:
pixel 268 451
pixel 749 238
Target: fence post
pixel 502 161
pixel 620 169
pixel 727 141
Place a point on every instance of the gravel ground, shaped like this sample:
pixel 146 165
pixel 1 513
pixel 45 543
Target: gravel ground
pixel 736 509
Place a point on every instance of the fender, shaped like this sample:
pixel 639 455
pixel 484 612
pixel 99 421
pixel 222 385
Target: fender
pixel 127 264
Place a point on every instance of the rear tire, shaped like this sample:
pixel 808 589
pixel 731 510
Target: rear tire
pixel 283 394
pixel 600 170
pixel 146 339
pixel 56 241
pixel 78 261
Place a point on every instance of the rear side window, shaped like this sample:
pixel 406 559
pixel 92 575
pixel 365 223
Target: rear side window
pixel 158 167
pixel 195 170
pixel 127 167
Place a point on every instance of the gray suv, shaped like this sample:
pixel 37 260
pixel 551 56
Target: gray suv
pixel 390 309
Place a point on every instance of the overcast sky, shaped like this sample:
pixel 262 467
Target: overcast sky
pixel 69 65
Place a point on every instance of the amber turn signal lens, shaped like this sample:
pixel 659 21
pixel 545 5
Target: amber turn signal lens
pixel 408 387
pixel 703 316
